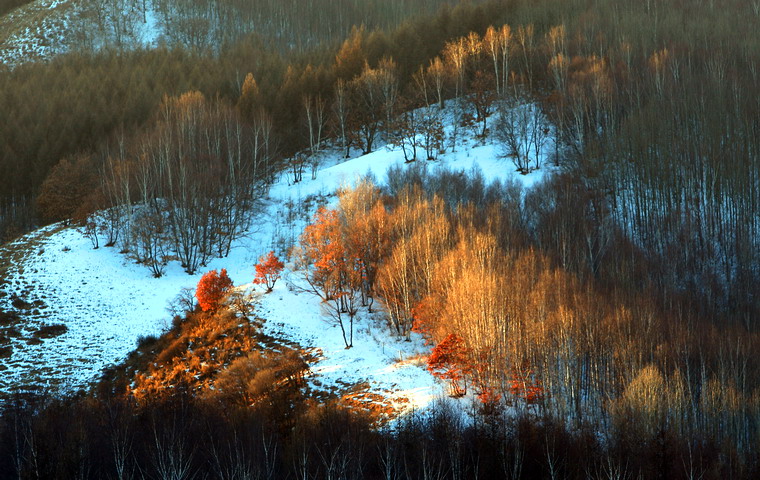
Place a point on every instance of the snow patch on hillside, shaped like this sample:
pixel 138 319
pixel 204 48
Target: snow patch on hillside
pixel 107 302
pixel 43 29
pixel 35 31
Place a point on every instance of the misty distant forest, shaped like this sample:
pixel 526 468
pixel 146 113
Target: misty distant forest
pixel 607 319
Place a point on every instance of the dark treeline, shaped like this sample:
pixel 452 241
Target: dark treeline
pixel 183 438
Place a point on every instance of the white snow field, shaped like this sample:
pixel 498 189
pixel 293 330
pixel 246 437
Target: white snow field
pixel 106 301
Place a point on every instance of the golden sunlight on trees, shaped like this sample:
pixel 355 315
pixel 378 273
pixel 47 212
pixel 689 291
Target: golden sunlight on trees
pixel 342 250
pixel 332 274
pixel 449 361
pixel 517 324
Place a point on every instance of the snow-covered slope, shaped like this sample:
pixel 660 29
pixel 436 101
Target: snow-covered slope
pixel 42 29
pixel 34 31
pixel 55 277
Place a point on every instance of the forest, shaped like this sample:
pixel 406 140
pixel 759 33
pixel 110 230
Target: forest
pixel 606 319
pixel 8 5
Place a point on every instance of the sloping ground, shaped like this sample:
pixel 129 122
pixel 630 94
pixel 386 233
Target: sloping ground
pixel 105 301
pixel 45 28
pixel 53 277
pixel 34 31
pixel 380 372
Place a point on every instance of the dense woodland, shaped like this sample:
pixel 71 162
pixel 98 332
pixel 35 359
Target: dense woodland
pixel 8 5
pixel 205 26
pixel 613 307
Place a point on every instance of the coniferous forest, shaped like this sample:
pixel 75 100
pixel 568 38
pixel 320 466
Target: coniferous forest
pixel 607 319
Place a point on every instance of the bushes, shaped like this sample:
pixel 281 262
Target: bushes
pixel 262 377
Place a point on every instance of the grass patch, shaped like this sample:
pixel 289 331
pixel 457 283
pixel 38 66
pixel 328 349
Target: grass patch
pixel 21 304
pixel 8 318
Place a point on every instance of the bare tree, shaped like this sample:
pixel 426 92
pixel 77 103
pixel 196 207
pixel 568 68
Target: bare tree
pixel 172 457
pixel 341 112
pixel 522 130
pixel 316 120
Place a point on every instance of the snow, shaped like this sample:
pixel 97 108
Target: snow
pixel 386 363
pixel 43 29
pixel 149 31
pixel 35 31
pixel 107 301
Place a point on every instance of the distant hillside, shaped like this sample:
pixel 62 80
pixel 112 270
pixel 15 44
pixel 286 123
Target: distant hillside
pixel 8 5
pixel 41 29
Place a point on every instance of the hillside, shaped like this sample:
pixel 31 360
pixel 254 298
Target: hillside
pixel 37 30
pixel 544 264
pixel 84 309
pixel 43 29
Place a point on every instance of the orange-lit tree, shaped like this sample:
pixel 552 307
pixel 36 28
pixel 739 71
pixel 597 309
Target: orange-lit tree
pixel 268 271
pixel 212 288
pixel 325 251
pixel 525 386
pixel 449 361
pixel 332 276
pixel 368 243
